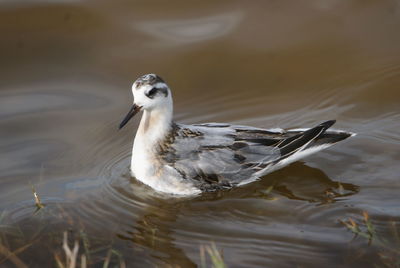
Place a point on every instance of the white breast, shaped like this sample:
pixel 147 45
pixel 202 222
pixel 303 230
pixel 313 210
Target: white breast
pixel 147 168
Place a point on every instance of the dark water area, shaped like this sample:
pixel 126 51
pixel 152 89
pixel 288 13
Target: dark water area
pixel 65 75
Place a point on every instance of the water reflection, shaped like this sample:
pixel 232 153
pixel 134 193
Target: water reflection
pixel 155 230
pixel 312 186
pixel 160 219
pixel 183 31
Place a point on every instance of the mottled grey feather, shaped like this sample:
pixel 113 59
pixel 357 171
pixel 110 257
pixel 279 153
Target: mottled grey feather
pixel 215 156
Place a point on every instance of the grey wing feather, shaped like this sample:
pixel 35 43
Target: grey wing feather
pixel 216 155
pixel 220 155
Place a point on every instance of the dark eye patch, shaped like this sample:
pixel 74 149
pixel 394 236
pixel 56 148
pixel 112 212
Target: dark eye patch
pixel 152 92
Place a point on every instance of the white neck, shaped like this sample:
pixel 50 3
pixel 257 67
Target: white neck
pixel 154 126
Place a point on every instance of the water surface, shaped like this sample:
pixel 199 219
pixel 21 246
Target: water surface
pixel 65 75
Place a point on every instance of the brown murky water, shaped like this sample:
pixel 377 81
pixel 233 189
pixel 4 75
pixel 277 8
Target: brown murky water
pixel 65 74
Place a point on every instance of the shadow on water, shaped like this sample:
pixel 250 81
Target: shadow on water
pixel 313 185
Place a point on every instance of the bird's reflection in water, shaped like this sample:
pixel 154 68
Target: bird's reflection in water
pixel 302 182
pixel 154 230
pixel 297 181
pixel 155 227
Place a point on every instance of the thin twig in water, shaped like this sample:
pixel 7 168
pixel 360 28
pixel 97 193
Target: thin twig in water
pixel 202 257
pixel 38 204
pixel 15 252
pixel 83 261
pixel 216 257
pixel 107 260
pixel 70 255
pixel 12 257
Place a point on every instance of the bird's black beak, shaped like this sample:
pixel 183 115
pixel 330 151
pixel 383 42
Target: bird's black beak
pixel 134 110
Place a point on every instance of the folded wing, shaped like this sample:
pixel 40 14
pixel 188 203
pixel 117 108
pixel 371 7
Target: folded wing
pixel 215 156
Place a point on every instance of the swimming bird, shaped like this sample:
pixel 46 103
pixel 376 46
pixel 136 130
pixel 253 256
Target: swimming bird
pixel 183 159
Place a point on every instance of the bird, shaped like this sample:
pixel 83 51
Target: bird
pixel 183 160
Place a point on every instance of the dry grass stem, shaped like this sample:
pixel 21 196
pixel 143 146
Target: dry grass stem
pixel 216 257
pixel 83 261
pixel 12 257
pixel 17 251
pixel 38 204
pixel 70 255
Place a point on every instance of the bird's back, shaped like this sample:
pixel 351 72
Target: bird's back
pixel 214 156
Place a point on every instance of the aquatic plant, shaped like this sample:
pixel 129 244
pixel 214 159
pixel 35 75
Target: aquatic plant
pixel 38 203
pixel 71 255
pixel 214 254
pixel 6 253
pixel 388 251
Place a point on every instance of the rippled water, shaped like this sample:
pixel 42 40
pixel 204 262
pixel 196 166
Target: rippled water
pixel 66 69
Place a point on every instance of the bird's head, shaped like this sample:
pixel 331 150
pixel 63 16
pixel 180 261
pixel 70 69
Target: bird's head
pixel 150 92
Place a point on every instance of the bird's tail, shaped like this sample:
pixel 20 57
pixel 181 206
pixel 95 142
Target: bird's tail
pixel 330 137
pixel 311 140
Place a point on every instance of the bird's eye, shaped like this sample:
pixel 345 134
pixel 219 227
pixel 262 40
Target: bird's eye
pixel 151 92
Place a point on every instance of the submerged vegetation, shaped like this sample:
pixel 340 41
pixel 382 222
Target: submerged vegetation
pixel 215 256
pixel 387 244
pixel 72 256
pixel 77 248
pixel 6 253
pixel 85 251
pixel 72 248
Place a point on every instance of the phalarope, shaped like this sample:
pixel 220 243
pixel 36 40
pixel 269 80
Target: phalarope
pixel 189 159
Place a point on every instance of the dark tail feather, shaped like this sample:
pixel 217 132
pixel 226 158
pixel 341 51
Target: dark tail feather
pixel 294 143
pixel 327 124
pixel 331 138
